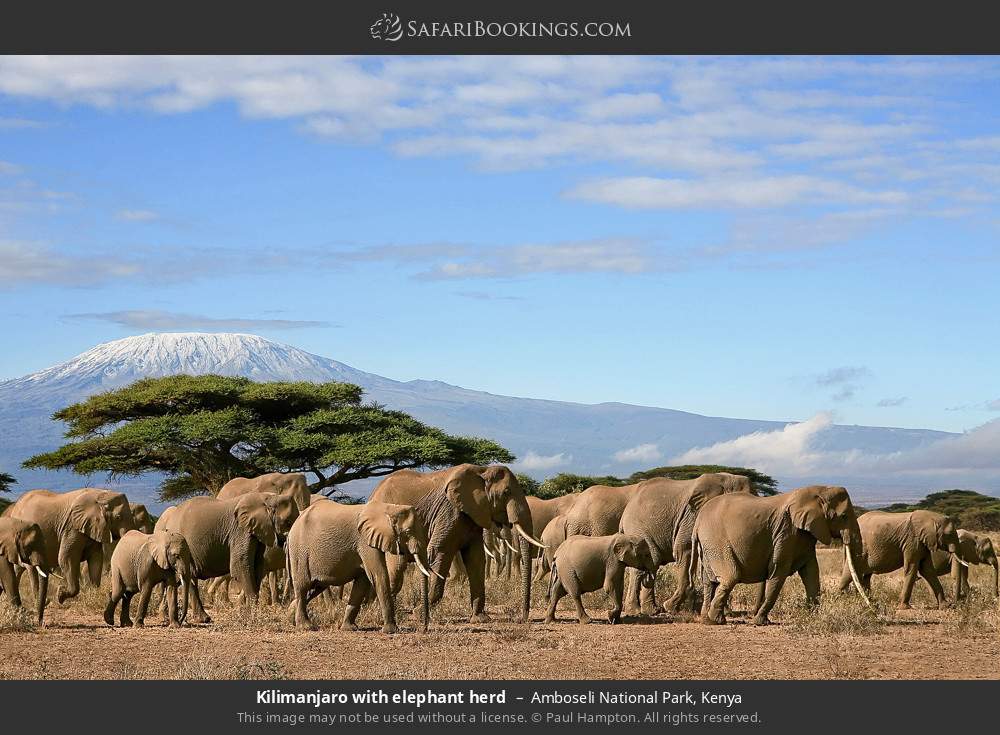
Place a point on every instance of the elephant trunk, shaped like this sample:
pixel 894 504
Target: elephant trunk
pixel 525 581
pixel 425 600
pixel 996 576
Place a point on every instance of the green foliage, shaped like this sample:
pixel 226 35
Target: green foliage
pixel 5 482
pixel 528 484
pixel 973 511
pixel 3 505
pixel 565 482
pixel 762 484
pixel 201 431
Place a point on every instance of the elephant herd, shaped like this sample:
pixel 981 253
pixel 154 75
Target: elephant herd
pixel 714 529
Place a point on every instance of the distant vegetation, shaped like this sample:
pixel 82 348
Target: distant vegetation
pixel 202 431
pixel 5 482
pixel 565 483
pixel 973 511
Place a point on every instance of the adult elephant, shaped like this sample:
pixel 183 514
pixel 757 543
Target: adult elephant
pixel 662 511
pixel 973 548
pixel 76 525
pixel 289 484
pixel 543 511
pixel 22 544
pixel 739 538
pixel 333 544
pixel 230 537
pixel 456 505
pixel 891 541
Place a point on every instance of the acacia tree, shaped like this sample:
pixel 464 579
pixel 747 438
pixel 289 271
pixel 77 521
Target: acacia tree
pixel 202 431
pixel 5 482
pixel 565 482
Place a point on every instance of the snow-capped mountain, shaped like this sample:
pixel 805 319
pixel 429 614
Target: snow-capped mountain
pixel 557 435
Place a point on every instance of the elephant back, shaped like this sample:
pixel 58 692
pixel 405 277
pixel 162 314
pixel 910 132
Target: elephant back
pixel 408 487
pixel 598 511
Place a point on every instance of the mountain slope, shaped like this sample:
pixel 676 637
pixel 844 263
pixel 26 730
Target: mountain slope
pixel 587 436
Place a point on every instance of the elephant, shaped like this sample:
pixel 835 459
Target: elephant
pixel 552 536
pixel 588 563
pixel 292 484
pixel 141 561
pixel 456 505
pixel 663 511
pixel 143 522
pixel 543 511
pixel 75 526
pixel 741 538
pixel 332 544
pixel 894 540
pixel 230 537
pixel 973 548
pixel 23 544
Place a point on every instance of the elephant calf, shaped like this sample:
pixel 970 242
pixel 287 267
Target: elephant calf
pixel 22 545
pixel 589 563
pixel 141 561
pixel 333 544
pixel 973 548
pixel 891 541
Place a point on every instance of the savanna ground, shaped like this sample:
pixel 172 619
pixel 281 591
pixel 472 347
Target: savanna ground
pixel 840 640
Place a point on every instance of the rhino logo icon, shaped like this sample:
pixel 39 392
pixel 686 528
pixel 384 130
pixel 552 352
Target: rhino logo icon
pixel 387 28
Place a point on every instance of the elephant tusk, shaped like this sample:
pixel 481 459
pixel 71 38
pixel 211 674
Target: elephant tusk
pixel 854 577
pixel 540 545
pixel 507 544
pixel 490 554
pixel 42 574
pixel 961 561
pixel 420 566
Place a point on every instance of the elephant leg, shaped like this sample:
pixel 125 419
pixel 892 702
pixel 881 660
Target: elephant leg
pixel 95 564
pixel 359 592
pixel 633 601
pixel 244 567
pixel 810 580
pixel 614 587
pixel 8 580
pixel 140 614
pixel 171 593
pixel 927 572
pixel 70 551
pixel 720 598
pixel 556 593
pixel 198 614
pixel 124 620
pixel 302 593
pixel 474 558
pixel 379 575
pixel 771 592
pixel 117 593
pixel 581 613
pixel 910 569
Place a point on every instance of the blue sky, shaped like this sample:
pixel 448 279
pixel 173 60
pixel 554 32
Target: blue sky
pixel 760 238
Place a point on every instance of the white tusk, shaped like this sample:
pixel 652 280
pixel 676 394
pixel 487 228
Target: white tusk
pixel 42 574
pixel 507 544
pixel 438 574
pixel 517 527
pixel 420 566
pixel 961 561
pixel 854 577
pixel 488 552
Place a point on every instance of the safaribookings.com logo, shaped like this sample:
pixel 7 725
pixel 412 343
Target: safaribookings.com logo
pixel 390 28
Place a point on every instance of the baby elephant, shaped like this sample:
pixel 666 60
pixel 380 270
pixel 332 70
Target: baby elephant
pixel 139 563
pixel 589 563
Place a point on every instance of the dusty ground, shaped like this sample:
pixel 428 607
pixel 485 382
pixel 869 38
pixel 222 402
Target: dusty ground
pixel 840 640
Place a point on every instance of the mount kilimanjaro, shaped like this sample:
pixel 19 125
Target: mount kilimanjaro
pixel 558 435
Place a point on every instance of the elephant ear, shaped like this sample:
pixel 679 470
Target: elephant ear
pixel 808 513
pixel 157 545
pixel 378 527
pixel 925 529
pixel 90 518
pixel 8 543
pixel 621 547
pixel 467 491
pixel 252 514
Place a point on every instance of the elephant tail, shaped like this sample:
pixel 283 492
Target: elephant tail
pixel 696 553
pixel 553 578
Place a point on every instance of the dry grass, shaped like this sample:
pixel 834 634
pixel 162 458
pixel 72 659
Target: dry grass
pixel 840 638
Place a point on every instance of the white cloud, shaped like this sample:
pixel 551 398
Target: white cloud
pixel 534 461
pixel 645 192
pixel 795 451
pixel 165 321
pixel 136 215
pixel 640 453
pixel 9 169
pixel 891 402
